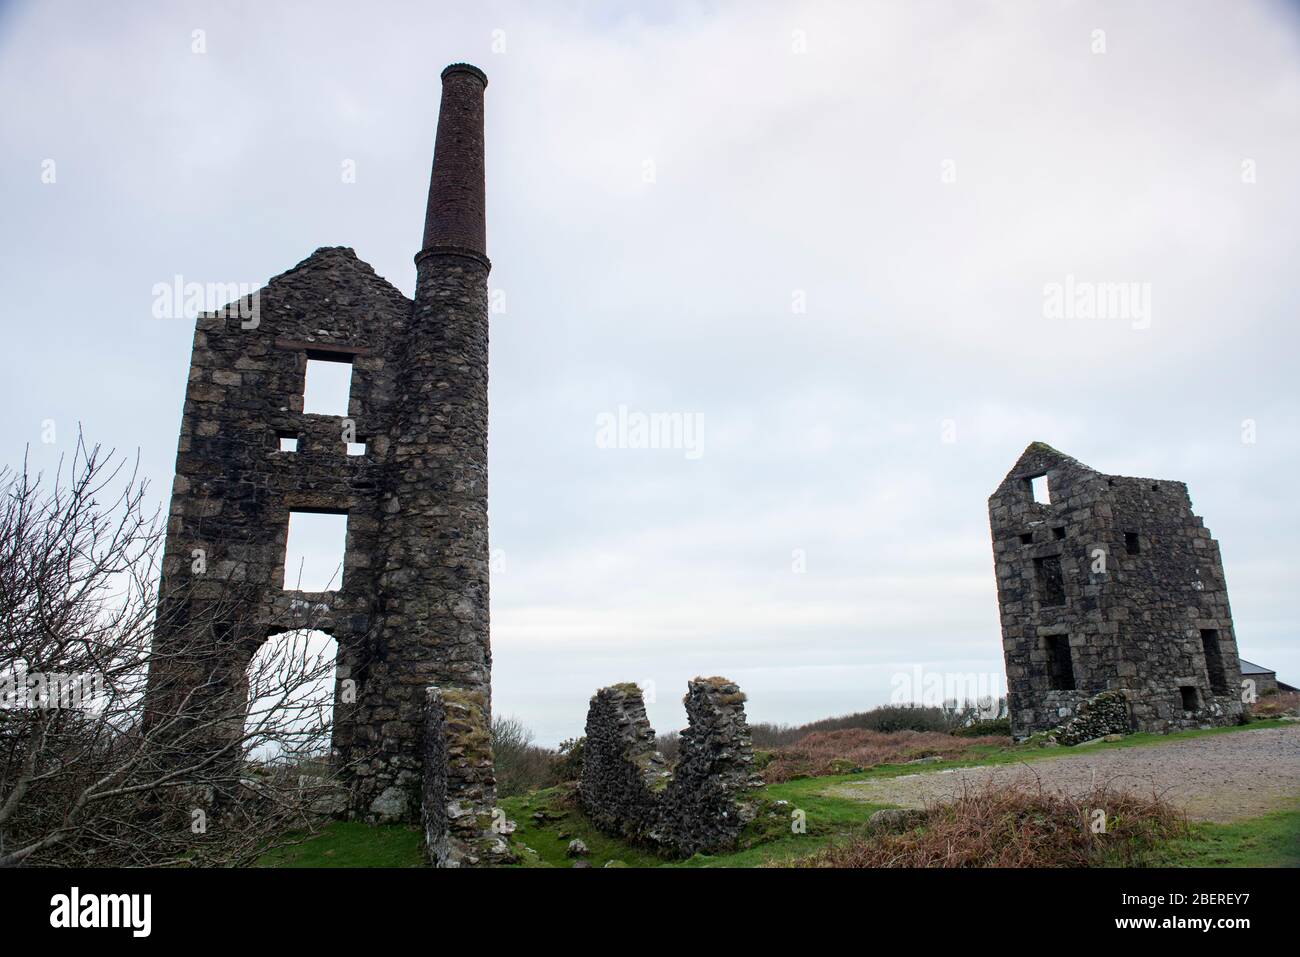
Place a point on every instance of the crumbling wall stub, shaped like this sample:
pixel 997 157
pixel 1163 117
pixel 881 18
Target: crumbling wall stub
pixel 622 773
pixel 461 823
pixel 1105 713
pixel 627 790
pixel 703 806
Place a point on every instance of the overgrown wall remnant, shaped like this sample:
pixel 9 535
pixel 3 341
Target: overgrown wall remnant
pixel 703 807
pixel 461 827
pixel 622 773
pixel 627 791
pixel 1102 714
pixel 1109 583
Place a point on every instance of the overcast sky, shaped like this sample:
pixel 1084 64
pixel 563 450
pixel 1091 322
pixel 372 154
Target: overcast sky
pixel 824 230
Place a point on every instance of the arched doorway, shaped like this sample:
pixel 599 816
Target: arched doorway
pixel 290 718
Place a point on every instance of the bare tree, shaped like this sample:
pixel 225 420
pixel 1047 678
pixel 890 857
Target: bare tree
pixel 235 764
pixel 519 764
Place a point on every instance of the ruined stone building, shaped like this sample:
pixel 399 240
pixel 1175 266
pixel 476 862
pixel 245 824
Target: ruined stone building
pixel 699 804
pixel 1108 583
pixel 406 465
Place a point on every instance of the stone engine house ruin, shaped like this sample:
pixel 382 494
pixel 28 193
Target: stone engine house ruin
pixel 1108 583
pixel 406 464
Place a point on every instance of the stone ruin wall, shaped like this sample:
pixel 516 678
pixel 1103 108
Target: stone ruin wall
pixel 628 790
pixel 461 825
pixel 622 773
pixel 1103 714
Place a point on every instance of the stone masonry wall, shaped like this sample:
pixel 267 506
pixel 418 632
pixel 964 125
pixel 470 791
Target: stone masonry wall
pixel 412 608
pixel 627 791
pixel 703 807
pixel 459 783
pixel 1102 714
pixel 1112 584
pixel 622 773
pixel 234 489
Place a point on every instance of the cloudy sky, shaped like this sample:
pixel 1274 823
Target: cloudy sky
pixel 824 230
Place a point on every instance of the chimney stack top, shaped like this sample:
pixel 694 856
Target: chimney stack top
pixel 465 68
pixel 455 220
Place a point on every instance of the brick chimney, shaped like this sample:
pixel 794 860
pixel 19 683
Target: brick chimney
pixel 455 220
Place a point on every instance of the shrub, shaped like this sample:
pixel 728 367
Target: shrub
pixel 520 764
pixel 840 752
pixel 568 766
pixel 1275 705
pixel 1019 826
pixel 886 718
pixel 669 744
pixel 997 726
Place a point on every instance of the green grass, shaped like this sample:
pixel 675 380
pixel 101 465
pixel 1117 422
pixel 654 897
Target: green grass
pixel 1269 841
pixel 1272 840
pixel 772 836
pixel 352 844
pixel 549 841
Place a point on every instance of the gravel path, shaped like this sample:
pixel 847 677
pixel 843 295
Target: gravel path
pixel 1221 777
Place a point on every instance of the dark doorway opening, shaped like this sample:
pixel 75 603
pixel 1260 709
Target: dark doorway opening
pixel 1060 665
pixel 1214 661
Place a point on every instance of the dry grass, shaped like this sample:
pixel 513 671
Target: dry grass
pixel 1020 826
pixel 1275 705
pixel 839 752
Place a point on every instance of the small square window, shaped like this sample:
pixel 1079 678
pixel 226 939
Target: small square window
pixel 288 442
pixel 1027 538
pixel 356 448
pixel 1039 490
pixel 1059 533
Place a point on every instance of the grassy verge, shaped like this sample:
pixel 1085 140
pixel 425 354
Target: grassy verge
pixel 779 832
pixel 352 844
pixel 1272 840
pixel 1269 841
pixel 1016 827
pixel 544 843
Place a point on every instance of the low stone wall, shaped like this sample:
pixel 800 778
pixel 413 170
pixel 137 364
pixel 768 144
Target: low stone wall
pixel 627 790
pixel 1102 714
pixel 461 824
